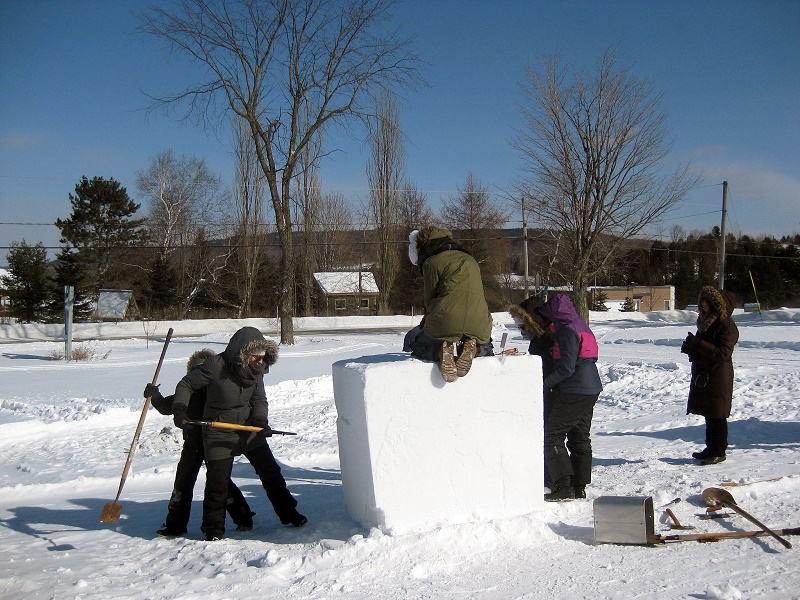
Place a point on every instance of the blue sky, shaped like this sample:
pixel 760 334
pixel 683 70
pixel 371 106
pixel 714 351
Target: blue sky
pixel 73 77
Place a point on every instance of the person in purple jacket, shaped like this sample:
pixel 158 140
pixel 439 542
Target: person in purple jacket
pixel 574 386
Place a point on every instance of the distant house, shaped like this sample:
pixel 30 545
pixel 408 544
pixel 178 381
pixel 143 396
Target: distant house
pixel 646 298
pixel 346 293
pixel 116 305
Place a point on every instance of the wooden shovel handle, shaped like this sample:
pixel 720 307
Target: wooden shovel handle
pixel 223 425
pixel 752 519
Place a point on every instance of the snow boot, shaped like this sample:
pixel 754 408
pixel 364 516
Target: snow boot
pixel 245 522
pixel 712 460
pixel 295 519
pixel 700 455
pixel 580 491
pixel 448 363
pixel 563 491
pixel 167 531
pixel 468 351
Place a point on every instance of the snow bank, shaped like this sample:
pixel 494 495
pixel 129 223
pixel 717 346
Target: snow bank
pixel 418 452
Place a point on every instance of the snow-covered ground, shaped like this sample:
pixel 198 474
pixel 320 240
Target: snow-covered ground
pixel 65 429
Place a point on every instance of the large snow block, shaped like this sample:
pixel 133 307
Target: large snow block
pixel 416 451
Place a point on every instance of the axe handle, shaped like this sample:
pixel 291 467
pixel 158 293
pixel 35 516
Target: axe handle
pixel 237 427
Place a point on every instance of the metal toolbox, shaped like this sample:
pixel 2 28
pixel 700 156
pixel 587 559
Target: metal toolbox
pixel 624 520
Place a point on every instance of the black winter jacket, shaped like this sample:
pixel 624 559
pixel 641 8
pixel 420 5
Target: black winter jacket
pixel 234 394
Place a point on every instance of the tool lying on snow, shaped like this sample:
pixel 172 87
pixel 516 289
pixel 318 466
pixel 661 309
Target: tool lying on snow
pixel 714 515
pixel 715 537
pixel 507 352
pixel 113 510
pixel 629 520
pixel 717 498
pixel 676 524
pixel 737 484
pixel 237 427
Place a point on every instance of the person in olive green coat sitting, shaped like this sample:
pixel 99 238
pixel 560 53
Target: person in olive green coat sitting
pixel 457 318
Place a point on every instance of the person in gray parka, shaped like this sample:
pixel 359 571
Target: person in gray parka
pixel 234 382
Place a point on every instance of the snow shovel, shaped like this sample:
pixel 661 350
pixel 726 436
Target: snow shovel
pixel 237 427
pixel 717 498
pixel 113 510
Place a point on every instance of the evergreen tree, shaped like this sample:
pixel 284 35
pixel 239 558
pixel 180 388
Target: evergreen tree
pixel 101 229
pixel 628 306
pixel 160 293
pixel 598 304
pixel 69 271
pixel 27 284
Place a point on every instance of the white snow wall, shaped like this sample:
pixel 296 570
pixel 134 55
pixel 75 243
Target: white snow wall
pixel 416 452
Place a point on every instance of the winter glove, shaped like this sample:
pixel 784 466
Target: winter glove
pixel 690 343
pixel 180 417
pixel 265 428
pixel 151 391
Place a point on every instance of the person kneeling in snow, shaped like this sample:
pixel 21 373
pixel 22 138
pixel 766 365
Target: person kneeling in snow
pixel 192 456
pixel 234 382
pixel 455 306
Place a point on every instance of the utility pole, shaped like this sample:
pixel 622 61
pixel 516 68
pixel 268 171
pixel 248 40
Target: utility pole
pixel 525 245
pixel 723 234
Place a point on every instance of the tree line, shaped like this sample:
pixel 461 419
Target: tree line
pixel 197 275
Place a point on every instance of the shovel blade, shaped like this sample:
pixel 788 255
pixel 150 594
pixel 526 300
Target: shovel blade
pixel 718 497
pixel 111 513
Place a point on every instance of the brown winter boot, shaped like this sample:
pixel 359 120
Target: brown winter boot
pixel 448 363
pixel 468 352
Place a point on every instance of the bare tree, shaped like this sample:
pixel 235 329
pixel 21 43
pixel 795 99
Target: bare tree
pixel 473 214
pixel 593 149
pixel 335 221
pixel 413 211
pixel 308 199
pixel 271 63
pixel 309 203
pixel 250 229
pixel 475 217
pixel 181 193
pixel 384 173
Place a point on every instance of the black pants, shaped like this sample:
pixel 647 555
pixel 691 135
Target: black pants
pixel 218 474
pixel 717 436
pixel 424 347
pixel 180 503
pixel 547 404
pixel 569 417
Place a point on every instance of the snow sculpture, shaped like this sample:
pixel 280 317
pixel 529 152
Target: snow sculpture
pixel 416 452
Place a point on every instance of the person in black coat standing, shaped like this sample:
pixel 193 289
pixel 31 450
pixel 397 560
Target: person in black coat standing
pixel 710 351
pixel 234 383
pixel 192 456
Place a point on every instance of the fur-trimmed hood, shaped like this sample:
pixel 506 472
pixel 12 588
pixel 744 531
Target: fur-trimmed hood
pixel 429 241
pixel 526 321
pixel 722 302
pixel 198 358
pixel 245 343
